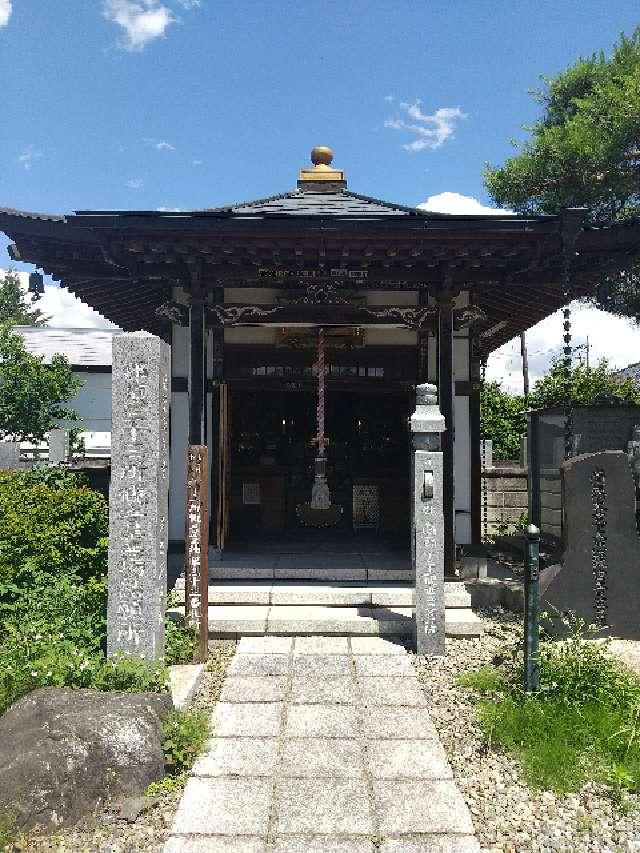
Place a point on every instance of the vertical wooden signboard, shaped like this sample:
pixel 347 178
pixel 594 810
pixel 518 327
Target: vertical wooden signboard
pixel 197 544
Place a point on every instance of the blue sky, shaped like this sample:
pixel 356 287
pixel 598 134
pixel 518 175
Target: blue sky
pixel 177 103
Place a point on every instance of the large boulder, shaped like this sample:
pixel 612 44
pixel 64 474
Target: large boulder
pixel 64 752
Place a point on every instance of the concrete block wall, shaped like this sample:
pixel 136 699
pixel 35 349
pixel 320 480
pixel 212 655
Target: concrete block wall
pixel 504 498
pixel 551 502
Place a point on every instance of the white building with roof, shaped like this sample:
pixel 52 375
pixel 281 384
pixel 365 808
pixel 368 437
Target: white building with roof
pixel 89 353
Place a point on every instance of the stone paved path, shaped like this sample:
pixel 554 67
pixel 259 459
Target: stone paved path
pixel 322 745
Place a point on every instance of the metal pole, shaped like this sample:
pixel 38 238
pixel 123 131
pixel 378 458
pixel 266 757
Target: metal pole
pixel 532 611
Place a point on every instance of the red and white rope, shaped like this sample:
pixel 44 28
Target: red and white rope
pixel 320 408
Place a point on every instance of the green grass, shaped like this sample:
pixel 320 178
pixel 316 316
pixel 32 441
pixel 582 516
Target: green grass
pixel 8 829
pixel 583 724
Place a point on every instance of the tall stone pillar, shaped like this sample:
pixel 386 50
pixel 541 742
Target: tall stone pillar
pixel 427 424
pixel 138 500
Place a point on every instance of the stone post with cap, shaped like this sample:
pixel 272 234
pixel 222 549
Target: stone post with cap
pixel 427 424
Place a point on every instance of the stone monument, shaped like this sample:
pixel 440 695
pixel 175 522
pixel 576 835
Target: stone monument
pixel 599 574
pixel 58 441
pixel 138 499
pixel 427 423
pixel 10 456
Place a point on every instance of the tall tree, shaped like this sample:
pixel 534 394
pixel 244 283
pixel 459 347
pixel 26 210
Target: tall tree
pixel 586 384
pixel 502 415
pixel 584 151
pixel 32 393
pixel 14 308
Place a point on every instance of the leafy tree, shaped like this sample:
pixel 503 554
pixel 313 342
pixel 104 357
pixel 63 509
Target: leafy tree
pixel 586 384
pixel 502 417
pixel 502 420
pixel 32 393
pixel 584 151
pixel 14 308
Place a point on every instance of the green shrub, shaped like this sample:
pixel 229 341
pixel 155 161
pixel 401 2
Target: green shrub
pixel 583 724
pixel 180 642
pixel 53 590
pixel 8 829
pixel 49 530
pixel 185 734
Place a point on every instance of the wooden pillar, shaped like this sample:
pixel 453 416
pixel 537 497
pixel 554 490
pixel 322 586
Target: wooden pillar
pixel 217 437
pixel 445 397
pixel 197 367
pixel 423 342
pixel 474 436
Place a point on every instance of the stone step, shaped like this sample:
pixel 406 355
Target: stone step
pixel 312 573
pixel 462 622
pixel 285 620
pixel 343 595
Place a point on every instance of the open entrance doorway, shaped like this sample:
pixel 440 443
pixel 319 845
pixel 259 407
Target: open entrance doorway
pixel 272 426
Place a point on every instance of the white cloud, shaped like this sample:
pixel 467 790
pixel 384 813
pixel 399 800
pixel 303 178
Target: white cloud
pixel 159 144
pixel 613 338
pixel 64 309
pixel 457 203
pixel 169 209
pixel 189 4
pixel 432 130
pixel 197 162
pixel 6 7
pixel 29 155
pixel 135 183
pixel 389 99
pixel 142 21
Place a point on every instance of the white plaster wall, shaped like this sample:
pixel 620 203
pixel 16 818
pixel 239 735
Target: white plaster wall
pixel 177 463
pixel 180 351
pixel 461 358
pixel 462 470
pixel 93 402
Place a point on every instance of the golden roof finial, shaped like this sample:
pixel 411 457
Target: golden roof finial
pixel 321 157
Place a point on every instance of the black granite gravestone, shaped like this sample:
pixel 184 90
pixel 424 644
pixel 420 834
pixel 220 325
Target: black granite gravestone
pixel 599 575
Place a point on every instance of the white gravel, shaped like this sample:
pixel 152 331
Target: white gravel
pixel 507 816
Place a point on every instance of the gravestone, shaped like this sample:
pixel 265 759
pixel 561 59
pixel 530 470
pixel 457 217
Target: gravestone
pixel 10 456
pixel 427 423
pixel 138 498
pixel 599 574
pixel 58 441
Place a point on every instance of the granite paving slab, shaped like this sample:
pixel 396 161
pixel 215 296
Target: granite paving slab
pixel 224 806
pixel 421 806
pixel 322 745
pixel 329 691
pixel 392 690
pixel 264 664
pixel 260 719
pixel 243 756
pixel 433 844
pixel 323 845
pixel 383 665
pixel 254 688
pixel 321 646
pixel 319 757
pixel 323 806
pixel 265 645
pixel 214 844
